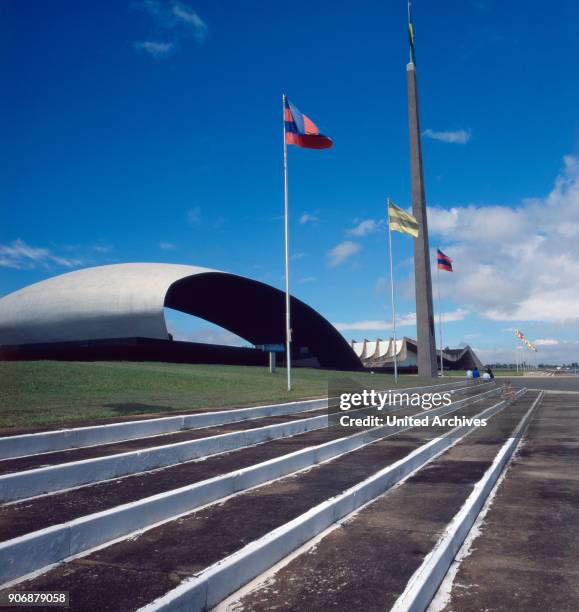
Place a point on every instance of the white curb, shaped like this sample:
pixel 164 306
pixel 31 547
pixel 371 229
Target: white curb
pixel 33 551
pixel 424 583
pixel 28 483
pixel 20 485
pixel 215 583
pixel 80 437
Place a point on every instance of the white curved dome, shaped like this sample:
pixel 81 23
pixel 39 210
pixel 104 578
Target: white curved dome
pixel 114 301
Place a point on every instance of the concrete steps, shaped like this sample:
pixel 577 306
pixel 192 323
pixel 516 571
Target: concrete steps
pixel 402 447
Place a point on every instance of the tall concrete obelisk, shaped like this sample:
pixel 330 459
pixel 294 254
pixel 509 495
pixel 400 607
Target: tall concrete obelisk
pixel 427 365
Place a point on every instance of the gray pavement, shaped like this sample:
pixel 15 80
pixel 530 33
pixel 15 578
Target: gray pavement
pixel 139 569
pixel 366 562
pixel 547 383
pixel 527 554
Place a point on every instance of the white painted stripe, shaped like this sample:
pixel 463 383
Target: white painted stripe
pixel 80 437
pixel 215 583
pixel 31 552
pixel 425 581
pixel 37 481
pixel 20 485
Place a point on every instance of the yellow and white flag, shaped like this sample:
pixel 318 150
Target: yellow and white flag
pixel 401 221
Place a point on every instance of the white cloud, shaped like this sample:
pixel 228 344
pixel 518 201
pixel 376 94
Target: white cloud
pixel 376 325
pixel 158 50
pixel 516 264
pixel 342 252
pixel 178 17
pixel 22 256
pixel 562 352
pixel 102 248
pixel 167 246
pixel 405 320
pixel 365 227
pixel 194 215
pixel 207 335
pixel 308 218
pixel 478 223
pixel 186 15
pixel 307 279
pixel 456 137
pixel 442 221
pixel 455 315
pixel 546 342
pixel 298 255
pixel 381 285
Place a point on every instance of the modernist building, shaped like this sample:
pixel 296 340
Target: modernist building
pixel 117 312
pixel 379 355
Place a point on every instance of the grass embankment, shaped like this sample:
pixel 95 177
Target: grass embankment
pixel 41 393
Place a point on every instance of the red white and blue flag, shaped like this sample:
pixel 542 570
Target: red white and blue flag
pixel 302 131
pixel 444 261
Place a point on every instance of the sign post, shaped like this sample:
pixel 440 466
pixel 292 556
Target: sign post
pixel 272 349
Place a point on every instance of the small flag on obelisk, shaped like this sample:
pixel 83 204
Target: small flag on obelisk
pixel 411 34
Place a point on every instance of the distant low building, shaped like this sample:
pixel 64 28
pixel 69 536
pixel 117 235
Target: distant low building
pixel 379 355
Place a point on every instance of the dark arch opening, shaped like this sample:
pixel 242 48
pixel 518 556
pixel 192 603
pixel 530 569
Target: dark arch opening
pixel 256 312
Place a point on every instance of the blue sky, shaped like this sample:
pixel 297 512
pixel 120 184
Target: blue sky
pixel 151 131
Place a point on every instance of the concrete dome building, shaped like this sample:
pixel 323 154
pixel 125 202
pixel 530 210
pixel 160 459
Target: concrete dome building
pixel 379 355
pixel 117 312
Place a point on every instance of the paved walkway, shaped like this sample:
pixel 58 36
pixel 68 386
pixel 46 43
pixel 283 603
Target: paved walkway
pixel 527 555
pixel 554 383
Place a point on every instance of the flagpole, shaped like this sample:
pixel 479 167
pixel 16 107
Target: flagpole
pixel 392 294
pixel 439 317
pixel 286 234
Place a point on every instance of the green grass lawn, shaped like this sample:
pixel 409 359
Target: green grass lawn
pixel 40 393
